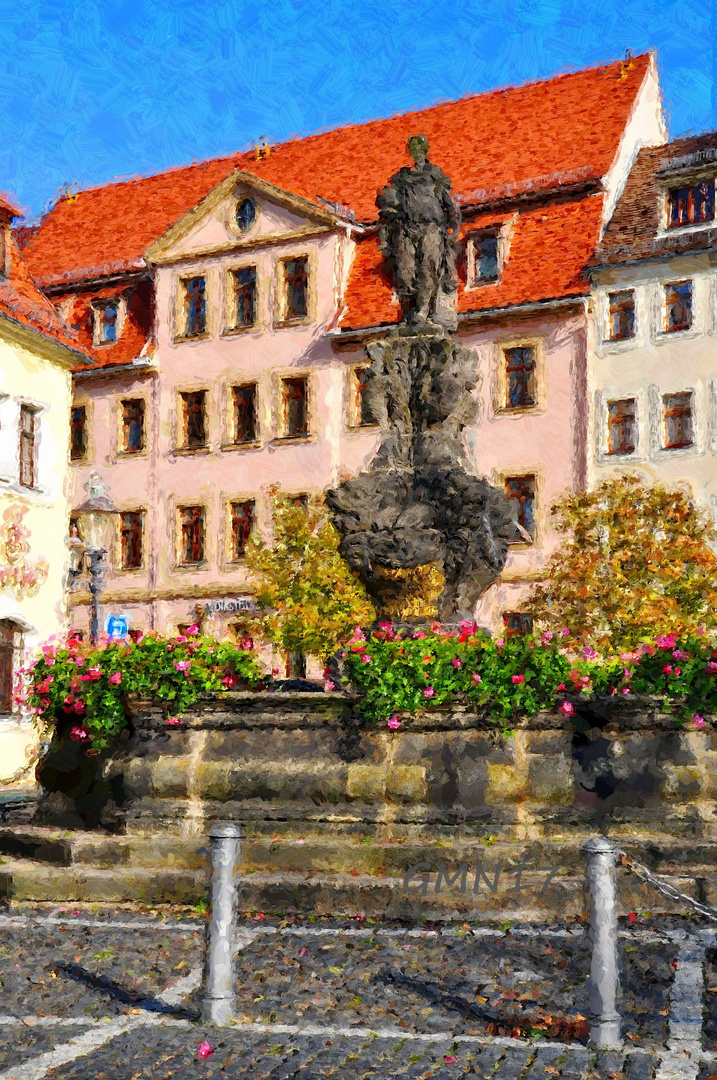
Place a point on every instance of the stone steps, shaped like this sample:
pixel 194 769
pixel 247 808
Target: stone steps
pixel 23 880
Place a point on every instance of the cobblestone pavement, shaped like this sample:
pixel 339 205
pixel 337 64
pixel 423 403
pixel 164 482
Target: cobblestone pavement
pixel 321 999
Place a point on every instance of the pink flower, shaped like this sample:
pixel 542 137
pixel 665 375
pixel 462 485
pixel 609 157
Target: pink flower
pixel 565 632
pixel 429 691
pixel 567 708
pixel 562 686
pixel 418 635
pixel 79 706
pixel 94 673
pixel 183 665
pixel 450 1058
pixel 192 630
pixel 329 685
pixel 546 637
pixel 365 659
pixel 205 1050
pixel 678 654
pixel 678 671
pixel 699 721
pixel 667 669
pixel 518 678
pixel 625 690
pixel 115 678
pixel 500 643
pixel 172 721
pixel 394 723
pixel 384 626
pixel 590 654
pixel 79 734
pixel 476 678
pixel 457 663
pixel 228 682
pixel 667 641
pixel 627 656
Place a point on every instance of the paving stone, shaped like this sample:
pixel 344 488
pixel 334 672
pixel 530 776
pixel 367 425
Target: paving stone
pixel 20 1042
pixel 608 1065
pixel 639 1066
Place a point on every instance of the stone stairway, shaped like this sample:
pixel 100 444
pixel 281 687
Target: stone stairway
pixel 335 869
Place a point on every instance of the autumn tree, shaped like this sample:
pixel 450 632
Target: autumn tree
pixel 637 561
pixel 309 599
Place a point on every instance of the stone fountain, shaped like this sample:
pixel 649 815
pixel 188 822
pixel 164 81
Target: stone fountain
pixel 420 501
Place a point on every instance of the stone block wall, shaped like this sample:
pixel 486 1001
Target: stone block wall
pixel 306 764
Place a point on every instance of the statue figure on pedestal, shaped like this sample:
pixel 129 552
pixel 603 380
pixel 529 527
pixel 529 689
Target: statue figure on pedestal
pixel 418 229
pixel 420 502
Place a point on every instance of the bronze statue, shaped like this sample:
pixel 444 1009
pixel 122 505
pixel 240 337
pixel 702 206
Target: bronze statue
pixel 418 228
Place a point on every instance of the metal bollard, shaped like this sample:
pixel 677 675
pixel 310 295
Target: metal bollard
pixel 219 991
pixel 604 982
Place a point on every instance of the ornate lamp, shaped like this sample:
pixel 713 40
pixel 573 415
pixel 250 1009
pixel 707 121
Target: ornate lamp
pixel 96 517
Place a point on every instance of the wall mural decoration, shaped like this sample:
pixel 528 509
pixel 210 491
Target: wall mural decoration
pixel 17 573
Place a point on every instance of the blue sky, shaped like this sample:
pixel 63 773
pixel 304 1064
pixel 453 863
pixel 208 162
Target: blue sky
pixel 92 91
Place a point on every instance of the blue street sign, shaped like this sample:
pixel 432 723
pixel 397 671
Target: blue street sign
pixel 117 626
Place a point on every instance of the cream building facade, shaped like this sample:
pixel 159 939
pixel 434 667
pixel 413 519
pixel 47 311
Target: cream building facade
pixel 37 354
pixel 654 327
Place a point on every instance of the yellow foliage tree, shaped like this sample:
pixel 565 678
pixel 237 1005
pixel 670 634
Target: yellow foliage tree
pixel 638 561
pixel 307 594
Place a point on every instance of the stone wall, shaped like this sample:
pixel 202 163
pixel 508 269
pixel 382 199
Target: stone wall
pixel 305 765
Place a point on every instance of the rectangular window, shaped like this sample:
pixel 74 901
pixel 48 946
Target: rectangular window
pixel 133 425
pixel 194 424
pixel 244 296
pixel 522 490
pixel 679 430
pixel 678 306
pixel 622 428
pixel 7 665
pixel 107 316
pixel 131 539
pixel 78 433
pixel 242 521
pixel 296 285
pixel 28 441
pixel 690 205
pixel 622 315
pixel 296 416
pixel 191 521
pixel 483 259
pixel 195 308
pixel 244 401
pixel 520 377
pixel 517 622
pixel 360 413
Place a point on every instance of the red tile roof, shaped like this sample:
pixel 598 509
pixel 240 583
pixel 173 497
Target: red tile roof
pixel 22 301
pixel 548 247
pixel 133 341
pixel 487 143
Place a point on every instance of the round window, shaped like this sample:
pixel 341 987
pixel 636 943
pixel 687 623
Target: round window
pixel 245 214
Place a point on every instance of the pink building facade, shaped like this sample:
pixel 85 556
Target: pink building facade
pixel 228 356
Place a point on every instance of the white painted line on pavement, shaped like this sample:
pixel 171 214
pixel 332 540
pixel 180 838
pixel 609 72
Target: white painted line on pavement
pixel 91 1040
pixel 682 1058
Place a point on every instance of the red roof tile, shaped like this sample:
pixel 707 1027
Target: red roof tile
pixel 21 300
pixel 495 142
pixel 133 341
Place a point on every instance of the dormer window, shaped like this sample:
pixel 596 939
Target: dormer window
pixel 483 258
pixel 691 205
pixel 107 316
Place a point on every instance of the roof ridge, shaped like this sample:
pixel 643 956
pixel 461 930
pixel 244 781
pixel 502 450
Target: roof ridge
pixel 318 133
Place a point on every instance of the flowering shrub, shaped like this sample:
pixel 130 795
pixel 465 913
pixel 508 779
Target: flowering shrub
pixel 87 682
pixel 396 670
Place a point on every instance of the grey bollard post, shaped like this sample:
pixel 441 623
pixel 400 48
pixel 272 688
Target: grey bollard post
pixel 603 982
pixel 219 992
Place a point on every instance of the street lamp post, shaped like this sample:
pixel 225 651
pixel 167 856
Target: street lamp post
pixel 95 517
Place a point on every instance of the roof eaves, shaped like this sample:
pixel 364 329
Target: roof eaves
pixel 91 273
pixel 48 336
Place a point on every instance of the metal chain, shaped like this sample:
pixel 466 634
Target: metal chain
pixel 668 891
